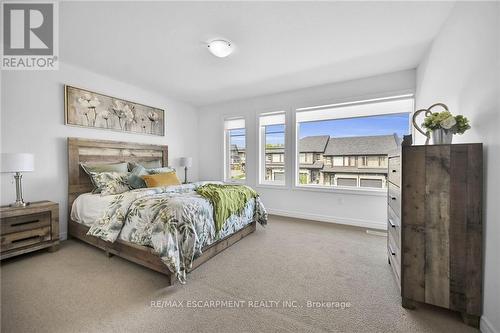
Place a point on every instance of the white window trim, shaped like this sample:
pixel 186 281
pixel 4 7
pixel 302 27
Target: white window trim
pixel 343 190
pixel 226 160
pixel 349 101
pixel 261 158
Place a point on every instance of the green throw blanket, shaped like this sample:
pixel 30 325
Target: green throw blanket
pixel 226 200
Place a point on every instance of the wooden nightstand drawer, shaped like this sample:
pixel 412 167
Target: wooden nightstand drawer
pixel 30 228
pixel 25 238
pixel 25 222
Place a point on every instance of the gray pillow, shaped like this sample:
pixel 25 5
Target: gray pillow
pixel 134 178
pixel 145 164
pixel 104 167
pixel 154 171
pixel 91 168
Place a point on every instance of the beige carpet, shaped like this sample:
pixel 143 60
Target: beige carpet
pixel 79 289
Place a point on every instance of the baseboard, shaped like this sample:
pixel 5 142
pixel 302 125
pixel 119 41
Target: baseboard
pixel 329 219
pixel 486 326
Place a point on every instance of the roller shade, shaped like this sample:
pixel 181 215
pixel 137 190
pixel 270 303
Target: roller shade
pixel 276 118
pixel 235 123
pixel 359 109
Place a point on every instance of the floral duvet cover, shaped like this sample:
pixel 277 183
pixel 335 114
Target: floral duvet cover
pixel 175 221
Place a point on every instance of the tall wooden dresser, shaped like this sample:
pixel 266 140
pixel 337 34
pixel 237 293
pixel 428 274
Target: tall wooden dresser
pixel 435 226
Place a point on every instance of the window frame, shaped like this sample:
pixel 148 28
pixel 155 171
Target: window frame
pixel 227 151
pixel 261 151
pixel 405 94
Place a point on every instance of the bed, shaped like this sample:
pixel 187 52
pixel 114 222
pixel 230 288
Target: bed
pixel 85 209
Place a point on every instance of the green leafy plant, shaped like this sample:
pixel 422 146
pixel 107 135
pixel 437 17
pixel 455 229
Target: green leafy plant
pixel 445 120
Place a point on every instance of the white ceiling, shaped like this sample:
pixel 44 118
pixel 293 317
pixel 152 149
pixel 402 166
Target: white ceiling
pixel 279 45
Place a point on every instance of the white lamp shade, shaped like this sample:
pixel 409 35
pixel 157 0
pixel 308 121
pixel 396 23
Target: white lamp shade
pixel 17 162
pixel 186 162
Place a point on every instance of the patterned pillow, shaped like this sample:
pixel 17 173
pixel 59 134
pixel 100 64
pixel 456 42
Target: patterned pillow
pixel 90 168
pixel 111 182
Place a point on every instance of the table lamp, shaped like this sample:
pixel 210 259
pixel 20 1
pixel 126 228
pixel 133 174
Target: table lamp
pixel 17 163
pixel 185 162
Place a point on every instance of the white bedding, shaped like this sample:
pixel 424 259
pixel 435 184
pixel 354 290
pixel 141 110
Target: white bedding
pixel 88 207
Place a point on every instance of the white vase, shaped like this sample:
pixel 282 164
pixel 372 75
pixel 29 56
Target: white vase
pixel 441 137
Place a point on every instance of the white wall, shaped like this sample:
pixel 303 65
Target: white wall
pixel 32 120
pixel 462 70
pixel 368 210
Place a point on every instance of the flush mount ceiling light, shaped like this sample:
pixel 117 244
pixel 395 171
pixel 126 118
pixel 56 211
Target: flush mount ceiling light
pixel 220 48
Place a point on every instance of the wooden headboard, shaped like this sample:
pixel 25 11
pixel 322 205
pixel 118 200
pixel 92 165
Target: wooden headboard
pixel 104 151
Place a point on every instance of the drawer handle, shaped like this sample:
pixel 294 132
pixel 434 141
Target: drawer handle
pixel 393 198
pixel 392 251
pixel 27 238
pixel 25 222
pixel 393 170
pixel 392 223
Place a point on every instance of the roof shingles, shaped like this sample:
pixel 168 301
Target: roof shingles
pixel 361 145
pixel 313 144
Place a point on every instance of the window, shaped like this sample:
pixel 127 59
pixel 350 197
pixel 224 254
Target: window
pixel 338 161
pixel 277 158
pixel 235 150
pixel 272 148
pixel 349 161
pixel 342 142
pixel 372 161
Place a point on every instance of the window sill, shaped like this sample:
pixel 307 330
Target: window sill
pixel 273 186
pixel 239 182
pixel 342 190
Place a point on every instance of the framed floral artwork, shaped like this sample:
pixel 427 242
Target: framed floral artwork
pixel 90 109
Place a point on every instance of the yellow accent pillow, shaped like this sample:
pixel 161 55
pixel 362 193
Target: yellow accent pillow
pixel 161 179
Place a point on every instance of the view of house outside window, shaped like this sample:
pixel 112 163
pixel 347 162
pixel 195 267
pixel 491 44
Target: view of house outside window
pixel 351 151
pixel 237 154
pixel 272 148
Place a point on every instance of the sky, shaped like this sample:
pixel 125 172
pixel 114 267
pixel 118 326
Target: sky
pixel 362 126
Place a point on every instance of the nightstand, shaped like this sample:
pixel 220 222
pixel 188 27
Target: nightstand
pixel 30 228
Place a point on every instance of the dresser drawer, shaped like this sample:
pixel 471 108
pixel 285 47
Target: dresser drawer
pixel 394 173
pixel 394 199
pixel 394 254
pixel 24 238
pixel 25 222
pixel 394 226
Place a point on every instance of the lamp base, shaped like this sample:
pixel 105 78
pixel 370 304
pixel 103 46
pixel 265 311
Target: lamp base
pixel 19 204
pixel 19 192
